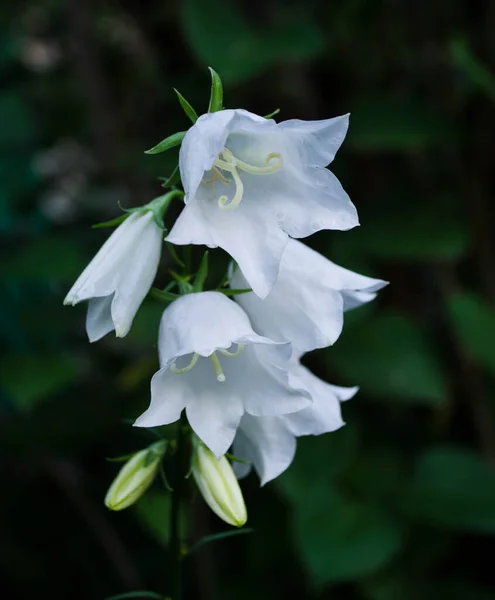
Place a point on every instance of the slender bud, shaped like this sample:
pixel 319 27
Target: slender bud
pixel 218 485
pixel 135 477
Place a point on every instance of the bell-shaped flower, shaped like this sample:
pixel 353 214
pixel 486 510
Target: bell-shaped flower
pixel 218 485
pixel 269 443
pixel 306 304
pixel 250 183
pixel 217 368
pixel 118 278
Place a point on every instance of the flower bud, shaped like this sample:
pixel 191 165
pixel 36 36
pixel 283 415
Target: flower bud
pixel 135 477
pixel 218 485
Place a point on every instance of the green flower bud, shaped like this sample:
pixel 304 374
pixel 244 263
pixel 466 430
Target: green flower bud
pixel 218 485
pixel 135 477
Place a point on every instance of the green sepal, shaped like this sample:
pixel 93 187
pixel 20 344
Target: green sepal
pixel 202 274
pixel 272 114
pixel 233 458
pixel 185 287
pixel 233 292
pixel 216 94
pixel 111 223
pixel 162 295
pixel 156 450
pixel 186 107
pixel 117 459
pixel 169 142
pixel 174 255
pixel 172 180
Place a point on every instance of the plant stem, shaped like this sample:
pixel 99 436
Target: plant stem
pixel 175 548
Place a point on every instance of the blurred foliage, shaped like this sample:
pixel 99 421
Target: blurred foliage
pixel 400 503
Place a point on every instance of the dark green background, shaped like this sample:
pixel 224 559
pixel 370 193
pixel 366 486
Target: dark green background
pixel 399 504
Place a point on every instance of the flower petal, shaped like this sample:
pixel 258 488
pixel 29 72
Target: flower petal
pixel 267 443
pixel 201 323
pixel 99 318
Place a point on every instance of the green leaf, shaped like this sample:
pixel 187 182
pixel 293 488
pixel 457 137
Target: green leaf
pixel 28 380
pixel 163 295
pixel 453 488
pixel 186 107
pixel 340 538
pixel 202 274
pixel 169 142
pixel 474 70
pixel 390 123
pixel 216 95
pixel 389 357
pixel 215 537
pixel 474 323
pixel 233 291
pixel 173 179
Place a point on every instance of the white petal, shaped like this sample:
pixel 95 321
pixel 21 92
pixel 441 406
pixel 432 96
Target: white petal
pixel 201 323
pixel 99 318
pixel 318 140
pixel 168 399
pixel 140 271
pixel 324 414
pixel 101 276
pixel 191 227
pixel 267 443
pixel 306 303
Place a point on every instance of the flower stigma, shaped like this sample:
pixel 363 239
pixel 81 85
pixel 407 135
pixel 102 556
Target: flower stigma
pixel 230 164
pixel 214 359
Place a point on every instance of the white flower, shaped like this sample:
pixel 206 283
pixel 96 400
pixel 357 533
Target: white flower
pixel 269 443
pixel 307 302
pixel 250 183
pixel 217 368
pixel 218 485
pixel 118 278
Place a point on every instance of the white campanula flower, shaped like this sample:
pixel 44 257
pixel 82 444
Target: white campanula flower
pixel 217 368
pixel 307 303
pixel 118 278
pixel 218 485
pixel 250 183
pixel 269 443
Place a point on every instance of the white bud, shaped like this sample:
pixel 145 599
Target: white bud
pixel 218 485
pixel 135 477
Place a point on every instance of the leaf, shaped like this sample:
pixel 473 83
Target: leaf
pixel 233 291
pixel 162 295
pixel 235 48
pixel 169 142
pixel 474 324
pixel 216 95
pixel 388 356
pixel 453 488
pixel 475 71
pixel 394 123
pixel 173 179
pixel 27 380
pixel 186 107
pixel 215 537
pixel 340 539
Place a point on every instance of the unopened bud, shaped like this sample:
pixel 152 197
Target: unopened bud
pixel 218 485
pixel 135 477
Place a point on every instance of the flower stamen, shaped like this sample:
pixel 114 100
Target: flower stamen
pixel 226 161
pixel 238 352
pixel 193 362
pixel 218 367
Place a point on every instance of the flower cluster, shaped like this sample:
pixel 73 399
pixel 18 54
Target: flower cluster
pixel 230 357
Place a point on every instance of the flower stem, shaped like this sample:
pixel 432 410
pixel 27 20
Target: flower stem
pixel 175 547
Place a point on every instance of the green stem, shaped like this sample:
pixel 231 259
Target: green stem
pixel 175 548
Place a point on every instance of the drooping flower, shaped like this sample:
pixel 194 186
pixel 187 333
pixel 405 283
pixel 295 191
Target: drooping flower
pixel 307 303
pixel 251 183
pixel 218 485
pixel 269 443
pixel 135 477
pixel 118 278
pixel 216 367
